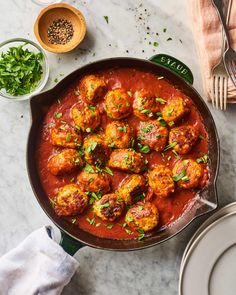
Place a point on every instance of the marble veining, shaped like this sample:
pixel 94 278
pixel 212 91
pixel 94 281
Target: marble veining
pixel 146 272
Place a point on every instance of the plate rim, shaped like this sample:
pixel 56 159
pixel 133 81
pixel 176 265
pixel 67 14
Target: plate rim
pixel 196 242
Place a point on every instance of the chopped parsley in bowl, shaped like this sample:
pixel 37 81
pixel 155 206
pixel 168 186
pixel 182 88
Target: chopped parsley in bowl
pixel 24 69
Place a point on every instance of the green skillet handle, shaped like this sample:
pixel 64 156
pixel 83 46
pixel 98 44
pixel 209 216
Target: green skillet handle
pixel 70 245
pixel 174 65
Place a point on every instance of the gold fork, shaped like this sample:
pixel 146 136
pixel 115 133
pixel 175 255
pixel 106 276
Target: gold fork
pixel 219 80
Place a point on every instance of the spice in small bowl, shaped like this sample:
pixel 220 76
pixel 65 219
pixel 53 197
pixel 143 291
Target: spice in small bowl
pixel 60 28
pixel 23 69
pixel 60 31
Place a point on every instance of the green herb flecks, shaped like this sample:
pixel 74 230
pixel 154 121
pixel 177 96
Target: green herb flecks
pixel 122 129
pixel 160 119
pixel 203 159
pixel 88 168
pixel 106 18
pixel 141 234
pixel 108 171
pixel 143 148
pixel 20 70
pixel 56 114
pixel 155 44
pixel 105 205
pixel 181 176
pixel 170 146
pixel 176 154
pixel 91 221
pixel 160 100
pixel 110 226
pixel 92 147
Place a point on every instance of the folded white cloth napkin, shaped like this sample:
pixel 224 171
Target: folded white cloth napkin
pixel 37 266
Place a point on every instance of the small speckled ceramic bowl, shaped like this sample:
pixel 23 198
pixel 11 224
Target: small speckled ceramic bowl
pixel 60 11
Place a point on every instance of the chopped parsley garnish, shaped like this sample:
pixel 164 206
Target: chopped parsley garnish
pixel 106 18
pixel 203 159
pixel 105 205
pixel 57 115
pixel 108 171
pixel 92 147
pixel 139 198
pixel 159 78
pixel 72 179
pixel 160 119
pixel 147 129
pixel 92 108
pixel 88 168
pixel 176 154
pixel 129 93
pixel 201 137
pixel 143 148
pixel 91 221
pixel 88 129
pixel 110 226
pixel 160 100
pixel 68 137
pixel 52 202
pixel 73 220
pixel 181 176
pixel 171 123
pixel 170 146
pixel 141 234
pixel 98 224
pixel 20 70
pixel 132 142
pixel 129 218
pixel 164 30
pixel 155 44
pixel 129 232
pixel 140 208
pixel 122 128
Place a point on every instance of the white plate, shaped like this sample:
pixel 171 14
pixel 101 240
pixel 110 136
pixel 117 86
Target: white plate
pixel 218 214
pixel 210 265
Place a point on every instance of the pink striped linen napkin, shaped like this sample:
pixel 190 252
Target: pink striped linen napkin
pixel 207 31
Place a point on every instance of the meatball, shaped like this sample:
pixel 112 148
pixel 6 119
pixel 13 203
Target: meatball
pixel 64 135
pixel 145 105
pixel 127 160
pixel 109 207
pixel 94 149
pixel 118 104
pixel 160 180
pixel 86 119
pixel 132 186
pixel 183 138
pixel 144 216
pixel 187 174
pixel 174 110
pixel 92 88
pixel 94 182
pixel 154 135
pixel 70 200
pixel 118 135
pixel 66 161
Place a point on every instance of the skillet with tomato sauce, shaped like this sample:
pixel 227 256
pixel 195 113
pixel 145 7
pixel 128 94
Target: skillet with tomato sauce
pixel 122 153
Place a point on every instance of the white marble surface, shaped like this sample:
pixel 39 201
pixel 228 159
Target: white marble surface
pixel 151 271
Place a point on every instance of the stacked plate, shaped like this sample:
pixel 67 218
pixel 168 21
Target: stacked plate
pixel 208 265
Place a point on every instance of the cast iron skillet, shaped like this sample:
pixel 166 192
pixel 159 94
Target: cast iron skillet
pixel 73 237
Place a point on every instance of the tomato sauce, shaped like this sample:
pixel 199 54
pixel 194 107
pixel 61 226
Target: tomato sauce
pixel 131 79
